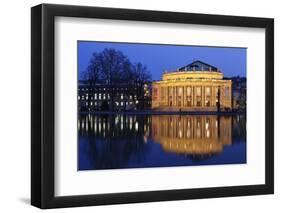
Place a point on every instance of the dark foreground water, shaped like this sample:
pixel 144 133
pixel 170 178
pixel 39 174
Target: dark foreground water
pixel 141 141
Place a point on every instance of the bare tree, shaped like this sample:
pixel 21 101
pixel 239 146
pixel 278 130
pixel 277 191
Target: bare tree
pixel 111 67
pixel 141 76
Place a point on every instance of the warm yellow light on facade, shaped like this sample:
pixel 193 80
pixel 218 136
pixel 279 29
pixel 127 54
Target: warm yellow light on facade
pixel 192 89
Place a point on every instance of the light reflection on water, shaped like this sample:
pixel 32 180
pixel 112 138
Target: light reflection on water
pixel 140 141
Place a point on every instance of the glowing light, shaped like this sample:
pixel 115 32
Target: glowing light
pixel 136 125
pixel 95 127
pixel 180 133
pixel 208 133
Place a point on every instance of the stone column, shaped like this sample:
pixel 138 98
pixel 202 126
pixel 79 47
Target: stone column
pixel 174 97
pixel 194 96
pixel 183 96
pixel 168 88
pixel 167 98
pixel 160 96
pixel 176 93
pixel 171 94
pixel 203 96
pixel 191 95
pixel 179 87
pixel 178 96
pixel 165 95
pixel 222 95
pixel 213 96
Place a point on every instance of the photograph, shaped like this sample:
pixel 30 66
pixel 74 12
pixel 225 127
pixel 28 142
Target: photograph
pixel 132 105
pixel 160 105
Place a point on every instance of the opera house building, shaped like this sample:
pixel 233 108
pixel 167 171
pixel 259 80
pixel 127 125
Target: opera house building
pixel 195 87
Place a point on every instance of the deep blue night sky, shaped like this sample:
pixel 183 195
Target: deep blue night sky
pixel 157 58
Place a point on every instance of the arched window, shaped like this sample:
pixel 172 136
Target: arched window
pixel 188 96
pixel 207 96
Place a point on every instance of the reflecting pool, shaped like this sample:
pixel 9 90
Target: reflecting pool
pixel 141 141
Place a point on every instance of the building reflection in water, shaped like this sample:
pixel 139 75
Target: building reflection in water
pixel 138 141
pixel 114 126
pixel 192 134
pixel 112 141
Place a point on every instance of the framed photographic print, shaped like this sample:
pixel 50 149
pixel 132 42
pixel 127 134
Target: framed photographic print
pixel 140 106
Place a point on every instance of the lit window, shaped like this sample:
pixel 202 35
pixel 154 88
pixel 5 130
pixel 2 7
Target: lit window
pixel 217 91
pixel 171 91
pixel 180 90
pixel 188 91
pixel 208 91
pixel 189 101
pixel 198 91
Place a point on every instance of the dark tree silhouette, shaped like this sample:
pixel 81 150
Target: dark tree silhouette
pixel 141 76
pixel 111 67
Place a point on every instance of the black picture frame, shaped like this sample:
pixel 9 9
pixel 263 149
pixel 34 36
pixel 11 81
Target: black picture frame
pixel 43 111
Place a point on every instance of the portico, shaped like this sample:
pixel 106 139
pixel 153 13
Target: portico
pixel 195 87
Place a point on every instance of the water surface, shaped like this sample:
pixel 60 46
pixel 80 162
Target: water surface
pixel 141 141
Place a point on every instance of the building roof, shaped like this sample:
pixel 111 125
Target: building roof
pixel 198 66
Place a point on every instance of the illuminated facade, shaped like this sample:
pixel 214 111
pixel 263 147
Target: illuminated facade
pixel 195 87
pixel 121 97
